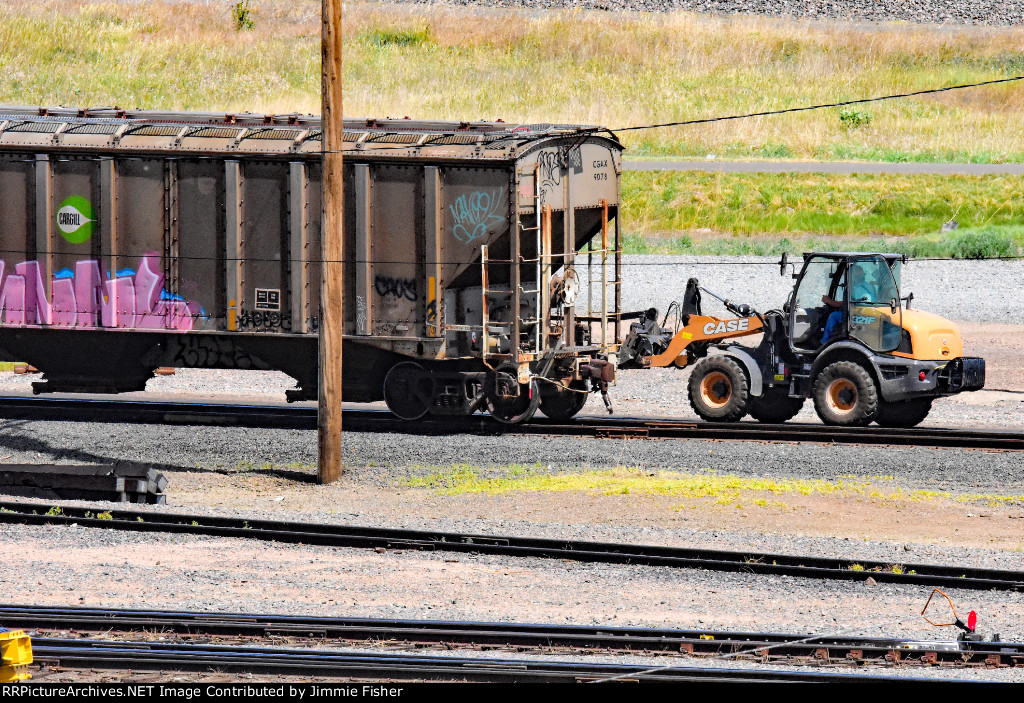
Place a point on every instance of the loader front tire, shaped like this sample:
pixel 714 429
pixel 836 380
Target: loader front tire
pixel 719 390
pixel 845 394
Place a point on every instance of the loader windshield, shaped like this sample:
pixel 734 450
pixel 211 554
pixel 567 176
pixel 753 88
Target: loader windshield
pixel 873 303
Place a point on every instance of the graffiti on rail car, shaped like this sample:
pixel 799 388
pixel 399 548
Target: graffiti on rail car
pixel 201 351
pixel 398 287
pixel 85 298
pixel 475 213
pixel 263 320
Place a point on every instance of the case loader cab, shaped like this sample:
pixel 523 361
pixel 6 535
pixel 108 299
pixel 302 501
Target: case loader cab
pixel 867 289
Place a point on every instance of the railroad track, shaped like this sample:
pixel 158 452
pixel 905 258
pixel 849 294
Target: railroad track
pixel 144 656
pixel 304 417
pixel 929 575
pixel 747 646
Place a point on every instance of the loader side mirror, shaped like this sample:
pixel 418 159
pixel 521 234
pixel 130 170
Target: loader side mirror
pixel 783 262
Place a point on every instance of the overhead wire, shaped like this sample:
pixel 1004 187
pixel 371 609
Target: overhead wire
pixel 762 260
pixel 749 115
pixel 822 106
pixel 586 131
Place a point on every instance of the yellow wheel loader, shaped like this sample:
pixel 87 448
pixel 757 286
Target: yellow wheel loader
pixel 845 338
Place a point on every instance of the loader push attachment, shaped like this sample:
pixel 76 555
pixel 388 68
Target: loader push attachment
pixel 846 338
pixel 650 345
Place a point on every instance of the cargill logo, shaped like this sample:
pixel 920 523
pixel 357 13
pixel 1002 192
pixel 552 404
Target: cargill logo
pixel 75 219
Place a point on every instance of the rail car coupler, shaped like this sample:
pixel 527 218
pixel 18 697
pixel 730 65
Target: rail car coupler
pixel 600 372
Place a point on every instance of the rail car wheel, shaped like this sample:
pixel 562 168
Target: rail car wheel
pixel 563 404
pixel 907 413
pixel 719 391
pixel 510 401
pixel 407 390
pixel 774 406
pixel 845 394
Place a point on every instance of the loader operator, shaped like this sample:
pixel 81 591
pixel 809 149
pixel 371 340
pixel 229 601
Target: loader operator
pixel 860 290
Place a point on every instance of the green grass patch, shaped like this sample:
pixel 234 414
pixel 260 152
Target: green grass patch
pixel 682 212
pixel 463 479
pixel 398 37
pixel 724 489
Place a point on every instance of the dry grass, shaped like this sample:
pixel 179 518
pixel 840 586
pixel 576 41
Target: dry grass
pixel 612 69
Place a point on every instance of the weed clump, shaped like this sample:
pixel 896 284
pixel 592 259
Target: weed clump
pixel 852 119
pixel 242 15
pixel 984 243
pixel 399 37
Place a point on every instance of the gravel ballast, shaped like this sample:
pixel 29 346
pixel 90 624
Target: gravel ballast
pixel 962 12
pixel 101 567
pixel 960 290
pixel 261 473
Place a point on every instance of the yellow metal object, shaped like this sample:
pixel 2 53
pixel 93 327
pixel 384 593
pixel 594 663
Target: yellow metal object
pixel 15 656
pixel 932 338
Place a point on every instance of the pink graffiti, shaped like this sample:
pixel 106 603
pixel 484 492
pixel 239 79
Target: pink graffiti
pixel 87 299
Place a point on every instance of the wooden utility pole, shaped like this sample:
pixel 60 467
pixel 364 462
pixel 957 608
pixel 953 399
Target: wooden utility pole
pixel 331 288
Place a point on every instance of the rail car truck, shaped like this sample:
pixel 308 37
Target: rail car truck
pixel 877 358
pixel 136 240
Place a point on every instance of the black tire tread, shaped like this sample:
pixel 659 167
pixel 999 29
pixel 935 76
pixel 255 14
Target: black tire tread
pixel 737 406
pixel 774 406
pixel 903 414
pixel 867 394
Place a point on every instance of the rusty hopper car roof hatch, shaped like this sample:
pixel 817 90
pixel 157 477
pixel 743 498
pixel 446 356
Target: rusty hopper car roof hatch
pixel 482 259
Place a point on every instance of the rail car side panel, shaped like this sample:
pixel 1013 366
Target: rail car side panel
pixel 194 240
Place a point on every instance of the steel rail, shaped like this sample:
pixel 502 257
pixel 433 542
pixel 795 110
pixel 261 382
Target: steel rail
pixel 930 575
pixel 303 417
pixel 136 656
pixel 755 646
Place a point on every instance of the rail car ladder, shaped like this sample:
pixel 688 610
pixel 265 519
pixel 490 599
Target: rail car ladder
pixel 610 245
pixel 516 261
pixel 542 261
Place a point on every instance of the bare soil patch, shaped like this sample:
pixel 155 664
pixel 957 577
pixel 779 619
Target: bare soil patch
pixel 926 521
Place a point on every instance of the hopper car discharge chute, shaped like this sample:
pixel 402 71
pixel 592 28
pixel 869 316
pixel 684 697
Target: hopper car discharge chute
pixel 845 338
pixel 482 259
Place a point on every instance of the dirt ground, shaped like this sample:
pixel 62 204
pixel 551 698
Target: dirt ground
pixel 934 520
pixel 1002 347
pixel 929 521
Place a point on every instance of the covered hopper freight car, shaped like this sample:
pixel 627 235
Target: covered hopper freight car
pixel 481 259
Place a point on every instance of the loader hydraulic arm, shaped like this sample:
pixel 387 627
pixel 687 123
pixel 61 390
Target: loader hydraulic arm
pixel 701 328
pixel 648 346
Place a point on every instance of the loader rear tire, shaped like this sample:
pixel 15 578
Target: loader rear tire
pixel 719 390
pixel 774 406
pixel 845 394
pixel 906 413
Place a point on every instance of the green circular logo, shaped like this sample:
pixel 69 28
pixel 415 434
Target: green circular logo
pixel 75 219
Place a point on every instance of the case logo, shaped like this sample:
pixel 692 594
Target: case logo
pixel 725 327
